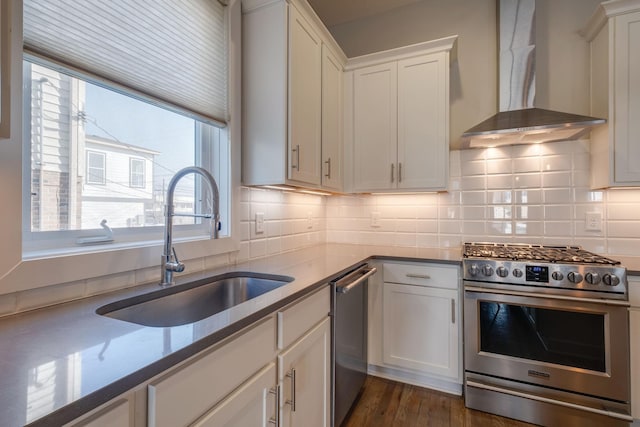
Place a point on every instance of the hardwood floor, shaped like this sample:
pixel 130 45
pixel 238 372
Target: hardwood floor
pixel 389 403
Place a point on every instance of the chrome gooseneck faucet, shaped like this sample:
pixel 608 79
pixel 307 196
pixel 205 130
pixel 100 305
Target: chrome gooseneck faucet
pixel 170 262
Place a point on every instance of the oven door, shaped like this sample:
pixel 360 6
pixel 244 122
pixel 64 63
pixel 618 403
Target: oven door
pixel 560 342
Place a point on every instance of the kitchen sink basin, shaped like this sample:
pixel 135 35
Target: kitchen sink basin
pixel 190 302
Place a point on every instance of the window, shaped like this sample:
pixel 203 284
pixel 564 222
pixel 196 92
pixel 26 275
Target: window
pixel 136 173
pixel 109 128
pixel 96 168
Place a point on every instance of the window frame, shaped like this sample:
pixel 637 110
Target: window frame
pixel 126 264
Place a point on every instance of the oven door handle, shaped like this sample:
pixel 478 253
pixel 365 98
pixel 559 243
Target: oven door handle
pixel 477 289
pixel 551 401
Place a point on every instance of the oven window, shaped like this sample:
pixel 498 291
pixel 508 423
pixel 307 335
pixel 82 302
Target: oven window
pixel 568 338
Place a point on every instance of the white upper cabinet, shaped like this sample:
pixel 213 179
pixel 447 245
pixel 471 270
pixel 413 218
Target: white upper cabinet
pixel 292 97
pixel 614 35
pixel 305 100
pixel 332 117
pixel 399 129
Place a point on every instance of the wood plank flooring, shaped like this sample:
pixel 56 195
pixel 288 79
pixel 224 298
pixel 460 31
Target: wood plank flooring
pixel 389 403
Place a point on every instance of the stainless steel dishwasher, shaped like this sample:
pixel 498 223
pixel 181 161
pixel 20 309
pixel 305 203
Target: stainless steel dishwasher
pixel 349 339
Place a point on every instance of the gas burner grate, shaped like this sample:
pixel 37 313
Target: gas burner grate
pixel 526 252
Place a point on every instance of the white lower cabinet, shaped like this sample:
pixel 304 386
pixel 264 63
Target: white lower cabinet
pixel 275 372
pixel 182 396
pixel 253 404
pixel 421 329
pixel 304 374
pixel 415 325
pixel 634 333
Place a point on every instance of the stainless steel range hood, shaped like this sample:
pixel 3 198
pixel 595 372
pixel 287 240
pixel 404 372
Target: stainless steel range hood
pixel 518 122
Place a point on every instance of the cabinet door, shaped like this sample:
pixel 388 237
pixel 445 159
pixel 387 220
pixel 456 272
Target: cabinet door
pixel 375 127
pixel 116 415
pixel 627 98
pixel 253 404
pixel 304 374
pixel 420 328
pixel 184 394
pixel 305 57
pixel 423 146
pixel 331 120
pixel 634 332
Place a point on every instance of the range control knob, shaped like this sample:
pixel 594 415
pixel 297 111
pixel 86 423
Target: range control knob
pixel 502 272
pixel 610 279
pixel 487 270
pixel 574 277
pixel 556 275
pixel 592 278
pixel 517 272
pixel 473 270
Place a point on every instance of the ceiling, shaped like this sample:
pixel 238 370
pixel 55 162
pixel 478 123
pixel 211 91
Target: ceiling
pixel 336 12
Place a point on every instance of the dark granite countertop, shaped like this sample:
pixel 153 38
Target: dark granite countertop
pixel 60 362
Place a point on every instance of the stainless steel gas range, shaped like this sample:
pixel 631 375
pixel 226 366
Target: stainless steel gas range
pixel 546 332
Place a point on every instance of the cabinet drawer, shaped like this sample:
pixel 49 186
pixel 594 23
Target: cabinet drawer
pixel 298 318
pixel 188 392
pixel 439 276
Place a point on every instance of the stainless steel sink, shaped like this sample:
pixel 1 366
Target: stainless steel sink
pixel 190 302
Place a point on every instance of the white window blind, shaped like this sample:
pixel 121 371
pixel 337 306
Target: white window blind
pixel 172 50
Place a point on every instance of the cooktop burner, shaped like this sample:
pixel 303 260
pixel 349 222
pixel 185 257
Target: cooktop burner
pixel 527 252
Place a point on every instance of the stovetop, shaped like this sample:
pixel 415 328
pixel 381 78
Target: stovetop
pixel 565 270
pixel 527 252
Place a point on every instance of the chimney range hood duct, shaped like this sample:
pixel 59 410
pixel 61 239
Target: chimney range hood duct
pixel 518 122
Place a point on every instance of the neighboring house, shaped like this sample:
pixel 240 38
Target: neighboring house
pixel 77 180
pixel 118 183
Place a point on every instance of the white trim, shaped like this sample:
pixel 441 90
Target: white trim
pixel 445 44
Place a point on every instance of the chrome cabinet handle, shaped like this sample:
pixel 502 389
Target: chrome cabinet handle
pixel 418 276
pixel 328 162
pixel 453 311
pixel 292 375
pixel 399 172
pixel 297 151
pixel 276 420
pixel 392 172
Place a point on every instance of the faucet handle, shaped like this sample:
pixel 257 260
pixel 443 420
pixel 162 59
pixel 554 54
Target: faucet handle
pixel 176 265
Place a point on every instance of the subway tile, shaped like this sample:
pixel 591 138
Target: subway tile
pixel 446 227
pixel 558 212
pixel 474 213
pixel 449 212
pixel 558 228
pixel 499 153
pixel 447 241
pixel 557 163
pixel 527 196
pixel 529 228
pixel 526 164
pixel 623 196
pixel 499 228
pixel 112 282
pixel 585 195
pixel 473 197
pixel 597 245
pixel 495 182
pixel 499 197
pixel 499 212
pixel 527 180
pixel 451 197
pixel 529 212
pixel 427 240
pixel 622 229
pixel 50 295
pixel 8 304
pixel 473 228
pixel 556 179
pixel 622 246
pixel 499 166
pixel 557 195
pixel 617 211
pixel 429 225
pixel 473 167
pixel 473 183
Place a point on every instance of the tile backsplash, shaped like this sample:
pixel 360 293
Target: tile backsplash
pixel 527 193
pixel 533 194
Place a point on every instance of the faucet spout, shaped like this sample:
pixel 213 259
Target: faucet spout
pixel 170 262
